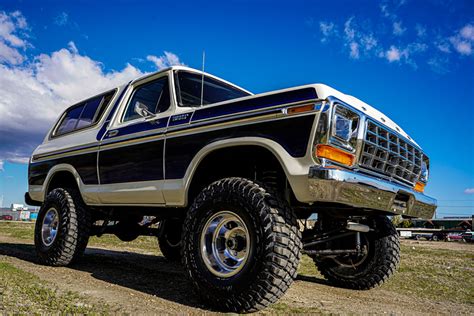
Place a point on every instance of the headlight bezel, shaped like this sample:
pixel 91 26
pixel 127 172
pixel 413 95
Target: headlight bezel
pixel 345 135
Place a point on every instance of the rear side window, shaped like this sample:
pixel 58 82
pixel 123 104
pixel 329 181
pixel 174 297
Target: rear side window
pixel 190 85
pixel 69 122
pixel 83 114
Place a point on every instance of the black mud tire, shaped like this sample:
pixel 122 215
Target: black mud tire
pixel 169 240
pixel 273 257
pixel 380 264
pixel 73 228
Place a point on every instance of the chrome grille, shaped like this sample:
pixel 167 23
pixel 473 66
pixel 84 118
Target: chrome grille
pixel 386 153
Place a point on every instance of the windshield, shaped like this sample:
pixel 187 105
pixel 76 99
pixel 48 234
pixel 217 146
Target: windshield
pixel 189 85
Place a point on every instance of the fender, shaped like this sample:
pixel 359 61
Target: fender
pixel 176 190
pixel 88 192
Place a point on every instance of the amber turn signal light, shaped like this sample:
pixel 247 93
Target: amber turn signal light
pixel 300 109
pixel 419 187
pixel 334 154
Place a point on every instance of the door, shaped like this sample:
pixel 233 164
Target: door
pixel 131 152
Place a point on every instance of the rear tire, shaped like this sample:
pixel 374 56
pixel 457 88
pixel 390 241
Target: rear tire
pixel 380 263
pixel 62 228
pixel 260 232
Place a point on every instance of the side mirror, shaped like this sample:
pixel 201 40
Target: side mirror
pixel 142 110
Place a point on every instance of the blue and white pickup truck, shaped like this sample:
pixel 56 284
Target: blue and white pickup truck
pixel 226 181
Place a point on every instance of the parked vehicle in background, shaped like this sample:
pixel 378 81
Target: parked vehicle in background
pixel 419 236
pixel 439 236
pixel 468 236
pixel 228 174
pixel 6 217
pixel 454 237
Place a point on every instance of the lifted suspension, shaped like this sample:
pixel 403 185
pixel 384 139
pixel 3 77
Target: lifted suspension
pixel 350 229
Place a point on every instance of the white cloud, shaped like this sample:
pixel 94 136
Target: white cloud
pixel 34 91
pixel 10 26
pixel 1 166
pixel 388 8
pixel 164 61
pixel 61 19
pixel 393 54
pixel 404 54
pixel 467 32
pixel 327 28
pixel 398 29
pixel 354 50
pixel 368 42
pixel 439 65
pixel 349 30
pixel 393 40
pixel 420 30
pixel 10 55
pixel 443 46
pixel 463 40
pixel 469 191
pixel 461 46
pixel 358 40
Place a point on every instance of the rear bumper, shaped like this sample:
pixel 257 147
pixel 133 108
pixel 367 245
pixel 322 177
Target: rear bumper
pixel 361 191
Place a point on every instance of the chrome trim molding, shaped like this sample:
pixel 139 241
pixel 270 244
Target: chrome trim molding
pixel 360 191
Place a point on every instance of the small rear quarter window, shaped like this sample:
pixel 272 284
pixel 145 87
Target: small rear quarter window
pixel 69 122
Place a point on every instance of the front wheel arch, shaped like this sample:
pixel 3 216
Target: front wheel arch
pixel 244 154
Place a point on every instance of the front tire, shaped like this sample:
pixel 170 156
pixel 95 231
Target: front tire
pixel 62 228
pixel 375 268
pixel 241 246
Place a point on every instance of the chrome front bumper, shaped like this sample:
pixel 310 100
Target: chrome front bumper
pixel 361 191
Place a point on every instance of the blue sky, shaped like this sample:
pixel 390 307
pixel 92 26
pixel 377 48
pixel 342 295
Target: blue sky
pixel 413 60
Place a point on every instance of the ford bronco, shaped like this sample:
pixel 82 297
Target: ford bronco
pixel 234 185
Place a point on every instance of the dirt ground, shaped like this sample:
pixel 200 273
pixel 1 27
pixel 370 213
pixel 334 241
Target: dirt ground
pixel 143 282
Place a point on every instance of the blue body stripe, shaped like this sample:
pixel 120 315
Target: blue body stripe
pixel 256 103
pixel 209 113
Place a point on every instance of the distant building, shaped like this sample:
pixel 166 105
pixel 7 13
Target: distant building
pixel 462 223
pixel 19 213
pixel 18 207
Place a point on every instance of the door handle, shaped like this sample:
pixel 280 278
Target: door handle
pixel 112 133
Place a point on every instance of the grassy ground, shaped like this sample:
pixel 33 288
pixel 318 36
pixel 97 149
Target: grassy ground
pixel 24 292
pixel 428 273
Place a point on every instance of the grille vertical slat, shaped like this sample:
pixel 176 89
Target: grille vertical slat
pixel 387 153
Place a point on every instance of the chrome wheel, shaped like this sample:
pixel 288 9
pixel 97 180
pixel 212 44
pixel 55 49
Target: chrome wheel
pixel 49 229
pixel 225 244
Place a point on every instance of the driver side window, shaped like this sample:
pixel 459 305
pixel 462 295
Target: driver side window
pixel 154 94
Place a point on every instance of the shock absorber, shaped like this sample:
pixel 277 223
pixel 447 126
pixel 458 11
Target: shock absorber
pixel 270 179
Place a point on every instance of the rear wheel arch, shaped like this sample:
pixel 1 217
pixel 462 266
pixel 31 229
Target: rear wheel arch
pixel 62 176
